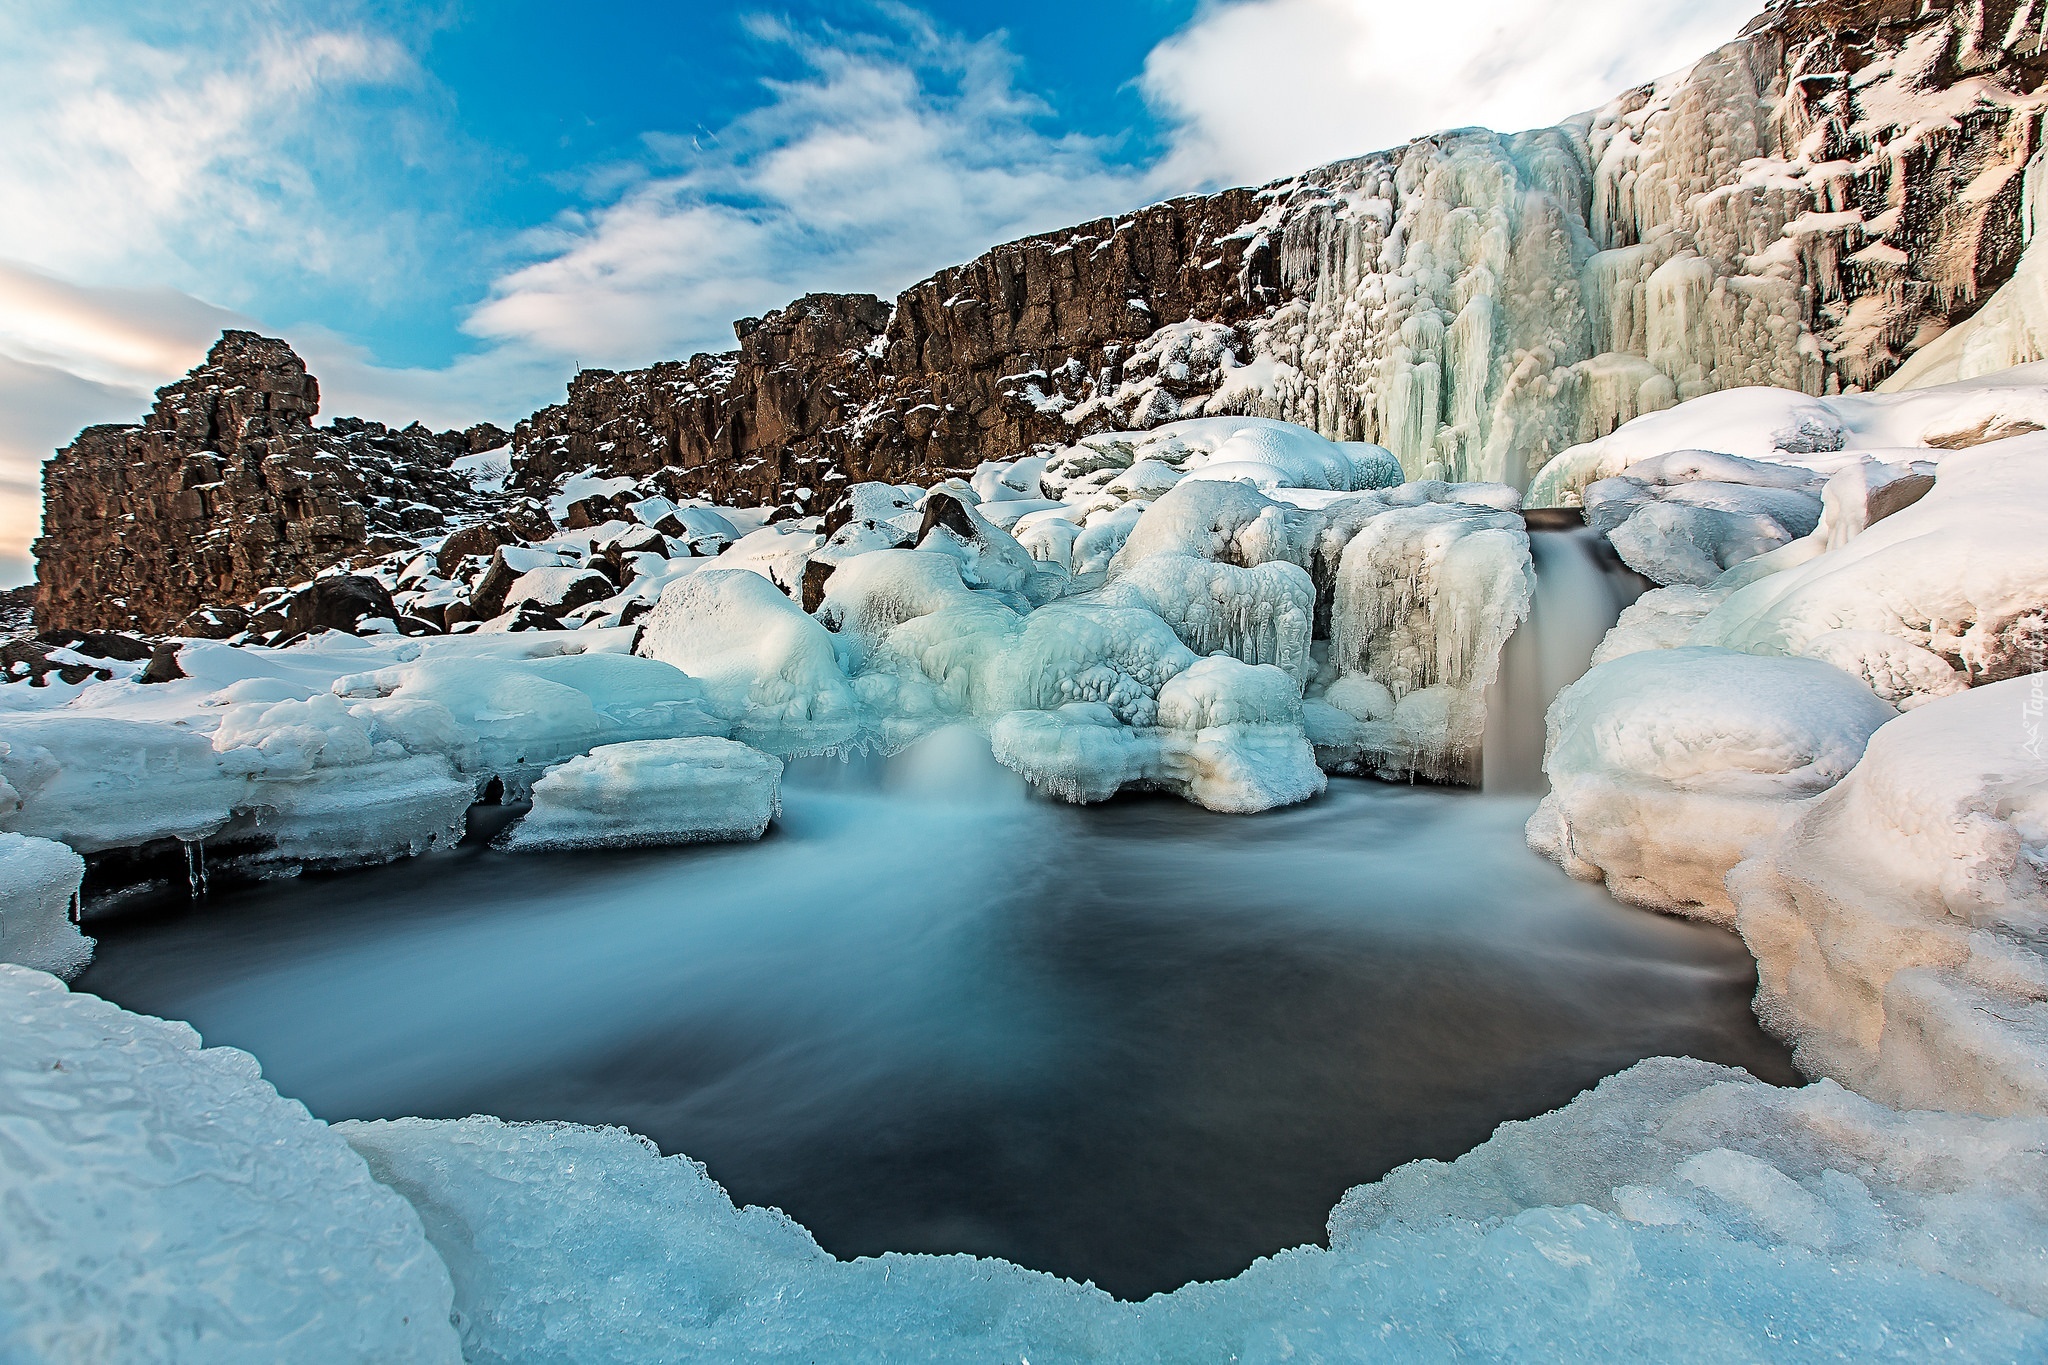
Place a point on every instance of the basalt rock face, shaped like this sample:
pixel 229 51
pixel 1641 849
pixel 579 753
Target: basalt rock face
pixel 226 488
pixel 968 363
pixel 1806 207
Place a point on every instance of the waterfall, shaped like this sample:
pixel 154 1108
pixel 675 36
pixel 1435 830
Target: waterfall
pixel 1581 587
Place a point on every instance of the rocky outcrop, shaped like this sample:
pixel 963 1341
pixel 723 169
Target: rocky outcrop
pixel 1807 207
pixel 227 487
pixel 966 364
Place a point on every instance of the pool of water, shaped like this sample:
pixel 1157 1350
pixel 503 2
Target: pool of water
pixel 1137 1044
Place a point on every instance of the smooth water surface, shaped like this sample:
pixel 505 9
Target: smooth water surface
pixel 1138 1043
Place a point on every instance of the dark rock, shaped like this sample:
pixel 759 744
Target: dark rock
pixel 471 541
pixel 339 603
pixel 163 664
pixel 1553 518
pixel 485 436
pixel 213 623
pixel 112 644
pixel 817 574
pixel 943 509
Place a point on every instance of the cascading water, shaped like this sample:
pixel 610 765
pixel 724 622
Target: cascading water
pixel 1581 588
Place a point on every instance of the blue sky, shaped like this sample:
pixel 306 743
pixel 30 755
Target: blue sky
pixel 447 207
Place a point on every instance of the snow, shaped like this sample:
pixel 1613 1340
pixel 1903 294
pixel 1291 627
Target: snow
pixel 766 668
pixel 1262 615
pixel 39 881
pixel 165 1203
pixel 652 791
pixel 1679 1211
pixel 1958 574
pixel 1897 920
pixel 1665 764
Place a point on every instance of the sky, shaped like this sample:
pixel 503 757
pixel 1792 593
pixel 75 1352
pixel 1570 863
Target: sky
pixel 449 207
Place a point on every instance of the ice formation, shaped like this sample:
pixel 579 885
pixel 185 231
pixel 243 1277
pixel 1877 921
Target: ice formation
pixel 1897 920
pixel 164 1203
pixel 1681 1210
pixel 652 791
pixel 39 882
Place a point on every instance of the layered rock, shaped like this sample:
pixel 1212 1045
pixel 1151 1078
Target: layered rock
pixel 227 487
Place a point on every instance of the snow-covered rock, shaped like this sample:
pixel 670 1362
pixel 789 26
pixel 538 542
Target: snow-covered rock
pixel 39 881
pixel 766 667
pixel 165 1203
pixel 1665 764
pixel 1898 920
pixel 652 791
pixel 1960 574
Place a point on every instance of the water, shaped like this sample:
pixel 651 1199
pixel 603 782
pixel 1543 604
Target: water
pixel 1138 1044
pixel 1581 588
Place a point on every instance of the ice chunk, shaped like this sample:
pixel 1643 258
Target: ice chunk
pixel 1665 764
pixel 766 667
pixel 652 791
pixel 39 881
pixel 1898 920
pixel 165 1203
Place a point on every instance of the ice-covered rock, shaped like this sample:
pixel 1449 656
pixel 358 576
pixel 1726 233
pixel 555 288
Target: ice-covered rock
pixel 1898 920
pixel 652 791
pixel 39 881
pixel 766 667
pixel 1262 615
pixel 1424 600
pixel 1681 1210
pixel 165 1203
pixel 1665 764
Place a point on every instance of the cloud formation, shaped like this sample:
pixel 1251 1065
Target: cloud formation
pixel 1259 89
pixel 893 153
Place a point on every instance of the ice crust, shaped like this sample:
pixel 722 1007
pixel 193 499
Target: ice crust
pixel 1681 1210
pixel 39 881
pixel 164 1203
pixel 652 791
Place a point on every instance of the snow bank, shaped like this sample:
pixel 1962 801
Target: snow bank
pixel 165 1203
pixel 39 883
pixel 1680 1211
pixel 1898 920
pixel 652 791
pixel 1666 764
pixel 1261 615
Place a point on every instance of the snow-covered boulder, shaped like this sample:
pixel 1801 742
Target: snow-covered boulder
pixel 39 881
pixel 650 792
pixel 165 1203
pixel 1666 764
pixel 1898 921
pixel 766 668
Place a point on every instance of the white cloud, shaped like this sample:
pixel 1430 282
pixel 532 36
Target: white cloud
pixel 890 156
pixel 1258 89
pixel 134 159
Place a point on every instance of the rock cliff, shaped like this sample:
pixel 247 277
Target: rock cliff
pixel 227 487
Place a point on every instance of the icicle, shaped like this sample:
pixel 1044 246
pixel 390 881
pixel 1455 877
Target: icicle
pixel 195 868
